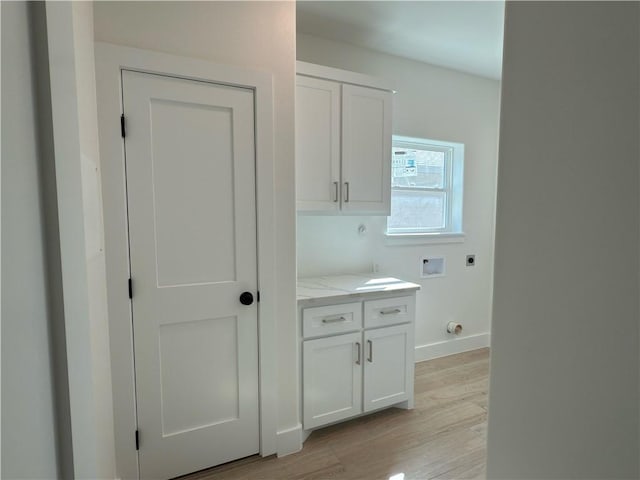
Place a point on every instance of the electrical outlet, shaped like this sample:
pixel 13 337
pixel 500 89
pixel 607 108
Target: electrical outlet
pixel 471 260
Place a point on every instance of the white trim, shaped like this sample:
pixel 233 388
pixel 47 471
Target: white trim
pixel 451 347
pixel 65 65
pixel 290 441
pixel 342 76
pixel 396 239
pixel 110 60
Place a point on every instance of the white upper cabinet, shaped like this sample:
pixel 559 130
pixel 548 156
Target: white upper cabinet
pixel 366 149
pixel 317 144
pixel 343 142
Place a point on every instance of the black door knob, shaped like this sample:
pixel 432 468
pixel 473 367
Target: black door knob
pixel 246 298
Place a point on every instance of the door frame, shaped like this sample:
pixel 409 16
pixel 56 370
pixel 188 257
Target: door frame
pixel 110 61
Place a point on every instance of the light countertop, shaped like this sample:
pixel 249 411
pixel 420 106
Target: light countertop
pixel 344 286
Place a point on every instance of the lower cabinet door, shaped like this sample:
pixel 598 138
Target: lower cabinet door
pixel 332 379
pixel 388 366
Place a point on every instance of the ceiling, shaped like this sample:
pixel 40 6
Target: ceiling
pixel 462 35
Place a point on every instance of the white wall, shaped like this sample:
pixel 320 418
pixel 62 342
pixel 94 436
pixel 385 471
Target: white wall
pixel 564 367
pixel 28 405
pixel 434 103
pixel 258 35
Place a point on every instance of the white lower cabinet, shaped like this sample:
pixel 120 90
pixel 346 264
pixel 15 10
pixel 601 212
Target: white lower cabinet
pixel 332 379
pixel 348 374
pixel 388 366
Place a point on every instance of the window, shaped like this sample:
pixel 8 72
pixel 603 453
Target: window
pixel 426 187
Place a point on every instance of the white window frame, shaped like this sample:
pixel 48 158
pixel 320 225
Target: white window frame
pixel 452 188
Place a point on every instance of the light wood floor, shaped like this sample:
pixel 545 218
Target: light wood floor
pixel 442 438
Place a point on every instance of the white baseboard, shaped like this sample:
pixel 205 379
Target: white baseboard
pixel 451 347
pixel 289 441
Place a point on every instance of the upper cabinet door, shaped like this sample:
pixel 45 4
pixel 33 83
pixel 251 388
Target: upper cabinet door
pixel 366 150
pixel 317 144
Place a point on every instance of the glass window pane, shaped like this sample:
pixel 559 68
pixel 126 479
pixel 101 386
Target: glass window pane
pixel 411 211
pixel 418 168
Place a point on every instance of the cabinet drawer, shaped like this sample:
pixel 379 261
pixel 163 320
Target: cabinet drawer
pixel 319 321
pixel 388 311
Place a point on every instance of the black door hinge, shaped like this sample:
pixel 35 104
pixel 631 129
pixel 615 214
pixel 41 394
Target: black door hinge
pixel 258 295
pixel 130 288
pixel 137 440
pixel 122 130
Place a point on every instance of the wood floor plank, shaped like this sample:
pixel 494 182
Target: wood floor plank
pixel 442 438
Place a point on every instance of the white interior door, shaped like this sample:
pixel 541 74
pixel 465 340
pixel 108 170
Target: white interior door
pixel 190 167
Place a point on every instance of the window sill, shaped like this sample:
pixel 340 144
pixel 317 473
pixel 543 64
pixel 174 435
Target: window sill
pixel 424 238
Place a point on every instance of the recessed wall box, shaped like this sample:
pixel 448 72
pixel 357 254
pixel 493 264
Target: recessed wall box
pixel 432 267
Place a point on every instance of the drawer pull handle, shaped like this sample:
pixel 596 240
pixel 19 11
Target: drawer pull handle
pixel 370 359
pixel 359 353
pixel 390 312
pixel 334 320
